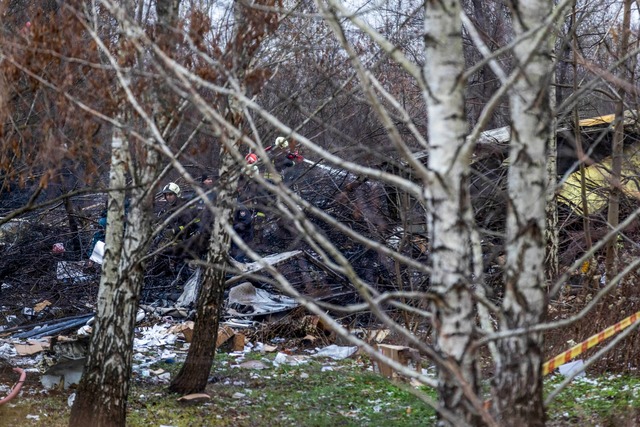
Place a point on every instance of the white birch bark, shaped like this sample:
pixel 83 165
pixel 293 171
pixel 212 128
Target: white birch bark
pixel 449 202
pixel 552 237
pixel 105 377
pixel 104 387
pixel 518 380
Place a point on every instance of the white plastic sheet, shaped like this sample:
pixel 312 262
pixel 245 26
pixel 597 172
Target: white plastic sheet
pixel 190 293
pixel 260 301
pixel 336 352
pixel 569 368
pixel 98 252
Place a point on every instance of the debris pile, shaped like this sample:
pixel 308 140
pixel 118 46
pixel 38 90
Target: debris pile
pixel 56 362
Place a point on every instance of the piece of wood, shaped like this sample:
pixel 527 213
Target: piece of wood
pixel 238 342
pixel 186 328
pixel 31 347
pixel 400 354
pixel 41 306
pixel 194 398
pixel 187 333
pixel 225 332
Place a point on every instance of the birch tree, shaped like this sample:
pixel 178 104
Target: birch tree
pixel 454 248
pixel 450 216
pixel 103 391
pixel 328 86
pixel 518 379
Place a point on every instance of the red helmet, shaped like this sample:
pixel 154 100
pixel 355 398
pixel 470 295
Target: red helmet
pixel 251 158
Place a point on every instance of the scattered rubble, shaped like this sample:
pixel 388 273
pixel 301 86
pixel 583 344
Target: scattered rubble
pixel 58 360
pixel 47 302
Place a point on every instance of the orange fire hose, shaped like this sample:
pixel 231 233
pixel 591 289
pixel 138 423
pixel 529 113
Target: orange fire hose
pixel 16 388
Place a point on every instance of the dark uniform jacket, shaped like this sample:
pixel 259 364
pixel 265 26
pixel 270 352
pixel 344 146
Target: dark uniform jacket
pixel 182 227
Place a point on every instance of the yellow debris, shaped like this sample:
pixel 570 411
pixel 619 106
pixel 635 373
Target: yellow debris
pixel 598 182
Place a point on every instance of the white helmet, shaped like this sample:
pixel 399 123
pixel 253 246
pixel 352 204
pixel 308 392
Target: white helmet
pixel 281 142
pixel 172 187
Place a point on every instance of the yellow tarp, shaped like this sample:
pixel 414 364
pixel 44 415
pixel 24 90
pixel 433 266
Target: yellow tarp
pixel 597 179
pixel 630 119
pixel 595 121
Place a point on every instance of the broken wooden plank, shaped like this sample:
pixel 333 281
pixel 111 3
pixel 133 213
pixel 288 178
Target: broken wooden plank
pixel 400 354
pixel 224 334
pixel 31 347
pixel 194 398
pixel 238 342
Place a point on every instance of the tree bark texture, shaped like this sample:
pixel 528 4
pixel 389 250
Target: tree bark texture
pixel 449 205
pixel 249 32
pixel 104 387
pixel 552 237
pixel 518 378
pixel 102 391
pixel 194 373
pixel 617 151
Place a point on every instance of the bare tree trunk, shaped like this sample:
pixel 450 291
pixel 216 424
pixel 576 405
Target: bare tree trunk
pixel 485 81
pixel 194 373
pixel 617 151
pixel 586 225
pixel 449 205
pixel 518 379
pixel 552 237
pixel 104 387
pixel 102 392
pixel 74 228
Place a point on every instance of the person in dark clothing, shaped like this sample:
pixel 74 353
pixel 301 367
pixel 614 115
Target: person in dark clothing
pixel 242 222
pixel 208 186
pixel 184 223
pixel 198 239
pixel 181 226
pixel 243 225
pixel 101 231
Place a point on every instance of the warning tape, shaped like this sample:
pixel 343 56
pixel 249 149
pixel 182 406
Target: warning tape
pixel 585 345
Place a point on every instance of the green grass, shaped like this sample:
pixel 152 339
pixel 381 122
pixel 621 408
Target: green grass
pixel 348 394
pixel 608 401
